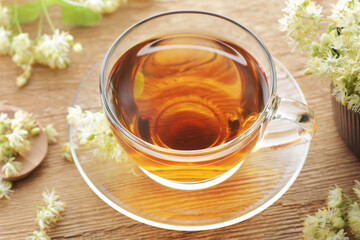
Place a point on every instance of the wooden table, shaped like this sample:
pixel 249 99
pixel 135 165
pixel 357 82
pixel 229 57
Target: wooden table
pixel 50 92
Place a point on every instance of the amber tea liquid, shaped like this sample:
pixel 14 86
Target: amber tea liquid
pixel 187 92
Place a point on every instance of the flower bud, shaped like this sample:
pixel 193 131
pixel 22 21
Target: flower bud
pixel 77 47
pixel 35 131
pixel 308 71
pixel 21 81
pixel 325 39
pixel 315 49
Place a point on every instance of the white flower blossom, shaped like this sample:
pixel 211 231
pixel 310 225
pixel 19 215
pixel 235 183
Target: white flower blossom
pixel 335 55
pixel 5 16
pixel 17 140
pixel 21 49
pixel 23 120
pixel 300 22
pixel 11 167
pixel 45 218
pixel 313 10
pixel 354 219
pixel 52 201
pixel 5 189
pixel 335 197
pixel 53 50
pixel 48 214
pixel 4 40
pixel 39 235
pixel 93 130
pixel 51 133
pixel 5 120
pixel 340 235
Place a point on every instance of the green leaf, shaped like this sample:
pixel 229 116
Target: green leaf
pixel 75 14
pixel 72 12
pixel 29 12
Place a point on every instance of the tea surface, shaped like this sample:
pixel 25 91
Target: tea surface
pixel 187 92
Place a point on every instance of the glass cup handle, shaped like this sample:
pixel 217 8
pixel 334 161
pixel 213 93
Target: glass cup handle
pixel 296 112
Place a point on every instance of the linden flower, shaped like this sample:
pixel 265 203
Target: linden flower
pixel 11 167
pixel 324 224
pixel 23 120
pixel 51 133
pixel 47 215
pixel 53 50
pixel 335 197
pixel 17 140
pixel 5 122
pixel 335 55
pixel 354 219
pixel 45 219
pixel 4 40
pixel 5 189
pixel 311 226
pixel 340 235
pixel 39 235
pixel 21 50
pixel 66 152
pixel 52 201
pixel 299 21
pixel 5 16
pixel 94 130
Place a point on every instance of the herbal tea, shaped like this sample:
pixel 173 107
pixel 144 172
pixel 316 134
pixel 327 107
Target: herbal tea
pixel 187 92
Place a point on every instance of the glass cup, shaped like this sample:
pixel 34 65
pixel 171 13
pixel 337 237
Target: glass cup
pixel 202 168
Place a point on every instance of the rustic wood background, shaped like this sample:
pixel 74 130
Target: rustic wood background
pixel 50 92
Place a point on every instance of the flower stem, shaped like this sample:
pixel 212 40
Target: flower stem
pixel 47 16
pixel 40 26
pixel 16 19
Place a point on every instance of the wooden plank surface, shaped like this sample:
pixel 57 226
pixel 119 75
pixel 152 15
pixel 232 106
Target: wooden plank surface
pixel 50 92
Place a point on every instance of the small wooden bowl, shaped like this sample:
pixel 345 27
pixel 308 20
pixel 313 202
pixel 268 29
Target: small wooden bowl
pixel 33 158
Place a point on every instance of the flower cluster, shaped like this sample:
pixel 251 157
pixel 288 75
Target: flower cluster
pixel 93 130
pixel 50 50
pixel 330 222
pixel 336 53
pixel 14 139
pixel 102 6
pixel 5 189
pixel 47 215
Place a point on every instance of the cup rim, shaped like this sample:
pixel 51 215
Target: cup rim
pixel 111 115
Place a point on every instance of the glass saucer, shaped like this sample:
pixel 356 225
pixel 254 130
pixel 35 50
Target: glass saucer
pixel 262 179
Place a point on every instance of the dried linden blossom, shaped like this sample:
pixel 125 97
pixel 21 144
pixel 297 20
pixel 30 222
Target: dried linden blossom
pixel 14 139
pixel 329 223
pixel 47 215
pixel 93 130
pixel 51 133
pixel 5 189
pixel 66 152
pixel 334 54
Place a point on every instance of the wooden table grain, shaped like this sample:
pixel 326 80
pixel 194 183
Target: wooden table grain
pixel 50 92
